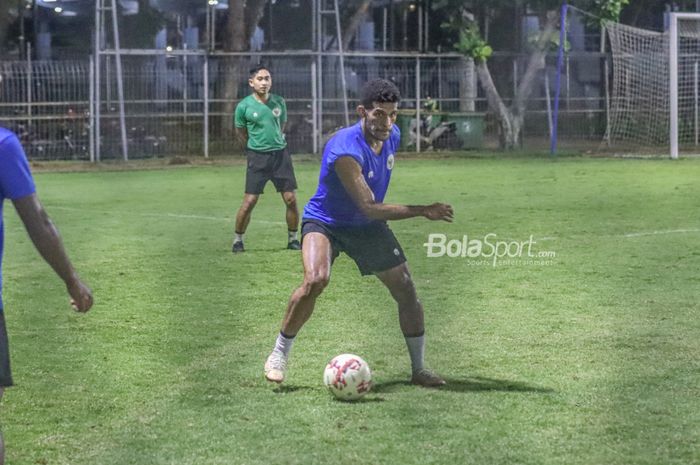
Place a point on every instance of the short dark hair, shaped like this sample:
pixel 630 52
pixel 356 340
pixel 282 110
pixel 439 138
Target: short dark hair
pixel 255 69
pixel 379 90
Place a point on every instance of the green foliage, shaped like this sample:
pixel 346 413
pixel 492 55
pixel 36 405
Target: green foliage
pixel 464 23
pixel 469 42
pixel 609 10
pixel 553 43
pixel 472 45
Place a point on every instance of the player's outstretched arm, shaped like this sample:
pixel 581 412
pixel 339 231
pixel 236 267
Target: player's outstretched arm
pixel 48 242
pixel 350 174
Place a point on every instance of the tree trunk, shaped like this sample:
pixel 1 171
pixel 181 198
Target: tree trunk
pixel 5 20
pixel 535 64
pixel 507 137
pixel 354 22
pixel 243 17
pixel 510 119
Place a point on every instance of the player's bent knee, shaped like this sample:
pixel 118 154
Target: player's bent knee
pixel 404 281
pixel 290 199
pixel 315 283
pixel 405 292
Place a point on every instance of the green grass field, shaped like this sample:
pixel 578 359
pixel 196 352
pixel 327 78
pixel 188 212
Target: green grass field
pixel 593 358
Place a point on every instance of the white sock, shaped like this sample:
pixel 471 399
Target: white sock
pixel 291 235
pixel 284 344
pixel 238 237
pixel 416 349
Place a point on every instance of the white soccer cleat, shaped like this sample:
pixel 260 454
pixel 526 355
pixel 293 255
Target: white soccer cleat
pixel 275 366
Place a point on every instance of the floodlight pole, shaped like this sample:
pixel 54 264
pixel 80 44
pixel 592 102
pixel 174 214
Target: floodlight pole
pixel 100 10
pixel 321 10
pixel 557 85
pixel 120 81
pixel 96 96
pixel 341 57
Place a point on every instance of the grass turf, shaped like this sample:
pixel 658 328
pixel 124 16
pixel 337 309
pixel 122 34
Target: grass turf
pixel 590 359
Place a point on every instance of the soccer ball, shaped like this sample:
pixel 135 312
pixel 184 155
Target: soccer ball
pixel 348 377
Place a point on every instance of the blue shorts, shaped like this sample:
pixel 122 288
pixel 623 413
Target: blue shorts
pixel 373 246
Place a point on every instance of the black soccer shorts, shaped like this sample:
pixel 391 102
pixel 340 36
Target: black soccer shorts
pixel 373 247
pixel 273 166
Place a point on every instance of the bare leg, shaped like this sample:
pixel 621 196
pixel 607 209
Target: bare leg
pixel 399 282
pixel 292 214
pixel 316 255
pixel 411 319
pixel 243 215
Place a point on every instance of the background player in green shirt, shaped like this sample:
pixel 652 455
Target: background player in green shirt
pixel 259 120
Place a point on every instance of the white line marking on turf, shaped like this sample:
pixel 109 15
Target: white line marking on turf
pixel 657 233
pixel 228 220
pixel 164 215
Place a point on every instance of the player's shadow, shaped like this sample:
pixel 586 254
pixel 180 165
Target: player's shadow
pixel 470 384
pixel 289 388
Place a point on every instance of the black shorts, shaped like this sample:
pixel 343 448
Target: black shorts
pixel 5 373
pixel 373 247
pixel 273 166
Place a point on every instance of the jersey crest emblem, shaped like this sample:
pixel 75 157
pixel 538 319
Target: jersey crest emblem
pixel 390 162
pixel 277 112
pixel 370 175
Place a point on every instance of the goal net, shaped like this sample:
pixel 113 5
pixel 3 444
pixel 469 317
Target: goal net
pixel 655 99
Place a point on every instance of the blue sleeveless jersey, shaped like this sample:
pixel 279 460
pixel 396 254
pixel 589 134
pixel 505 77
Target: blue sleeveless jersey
pixel 332 204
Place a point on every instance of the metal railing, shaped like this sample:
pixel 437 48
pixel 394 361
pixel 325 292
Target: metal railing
pixel 181 103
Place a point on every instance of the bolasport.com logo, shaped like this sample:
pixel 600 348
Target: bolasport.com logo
pixel 489 250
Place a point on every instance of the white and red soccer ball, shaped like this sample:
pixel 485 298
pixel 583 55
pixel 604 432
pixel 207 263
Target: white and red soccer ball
pixel 348 377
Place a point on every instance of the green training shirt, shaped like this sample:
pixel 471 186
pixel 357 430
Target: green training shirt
pixel 263 121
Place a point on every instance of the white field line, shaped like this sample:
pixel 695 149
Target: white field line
pixel 228 220
pixel 643 233
pixel 162 215
pixel 659 233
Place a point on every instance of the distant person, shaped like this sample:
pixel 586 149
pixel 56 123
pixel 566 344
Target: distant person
pixel 347 214
pixel 259 121
pixel 16 184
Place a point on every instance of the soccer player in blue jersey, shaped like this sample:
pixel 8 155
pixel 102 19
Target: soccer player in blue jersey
pixel 347 214
pixel 16 184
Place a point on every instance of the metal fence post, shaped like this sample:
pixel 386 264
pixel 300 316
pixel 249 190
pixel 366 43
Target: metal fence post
pixel 314 109
pixel 91 106
pixel 30 72
pixel 205 81
pixel 418 132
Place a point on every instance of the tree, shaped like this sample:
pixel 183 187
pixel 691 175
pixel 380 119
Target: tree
pixel 9 13
pixel 139 31
pixel 357 11
pixel 472 44
pixel 243 18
